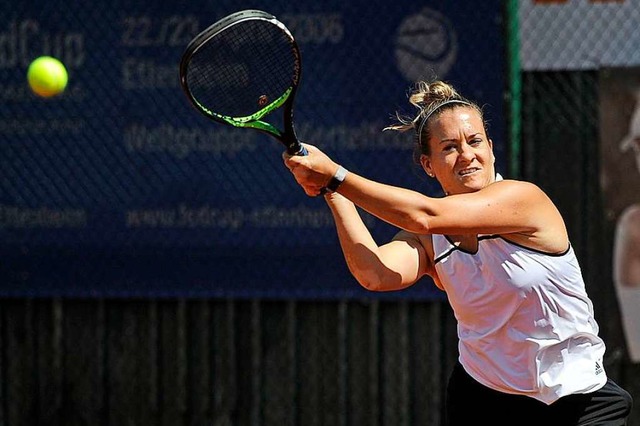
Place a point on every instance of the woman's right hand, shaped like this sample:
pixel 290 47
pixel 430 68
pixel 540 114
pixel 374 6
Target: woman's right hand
pixel 312 171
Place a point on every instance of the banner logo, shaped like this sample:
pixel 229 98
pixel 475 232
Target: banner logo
pixel 426 46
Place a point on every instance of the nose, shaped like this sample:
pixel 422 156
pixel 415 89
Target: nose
pixel 466 153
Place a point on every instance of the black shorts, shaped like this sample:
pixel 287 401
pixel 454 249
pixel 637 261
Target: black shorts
pixel 470 403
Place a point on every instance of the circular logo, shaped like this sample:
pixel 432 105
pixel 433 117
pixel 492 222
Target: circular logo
pixel 426 46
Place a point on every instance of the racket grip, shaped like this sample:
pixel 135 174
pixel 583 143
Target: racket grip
pixel 301 150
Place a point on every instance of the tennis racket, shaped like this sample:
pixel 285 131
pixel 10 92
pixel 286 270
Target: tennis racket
pixel 243 68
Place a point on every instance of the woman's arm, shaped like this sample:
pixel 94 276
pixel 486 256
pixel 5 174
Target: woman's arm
pixel 392 266
pixel 506 207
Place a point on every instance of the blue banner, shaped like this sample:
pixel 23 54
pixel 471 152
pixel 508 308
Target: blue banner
pixel 119 188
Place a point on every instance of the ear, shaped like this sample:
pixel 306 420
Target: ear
pixel 425 162
pixel 493 156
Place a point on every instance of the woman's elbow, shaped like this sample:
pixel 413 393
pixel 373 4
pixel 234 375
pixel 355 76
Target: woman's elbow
pixel 370 285
pixel 367 279
pixel 377 282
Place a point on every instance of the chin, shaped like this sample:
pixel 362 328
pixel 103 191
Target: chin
pixel 472 184
pixel 463 189
pixel 472 188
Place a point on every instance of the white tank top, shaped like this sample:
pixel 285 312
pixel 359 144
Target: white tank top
pixel 525 322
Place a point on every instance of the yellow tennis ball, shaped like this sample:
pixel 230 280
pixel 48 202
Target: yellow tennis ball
pixel 47 76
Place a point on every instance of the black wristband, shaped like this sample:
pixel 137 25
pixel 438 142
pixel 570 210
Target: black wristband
pixel 337 179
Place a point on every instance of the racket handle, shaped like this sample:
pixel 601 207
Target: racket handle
pixel 298 150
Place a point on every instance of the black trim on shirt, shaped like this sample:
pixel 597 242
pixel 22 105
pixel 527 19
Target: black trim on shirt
pixel 490 237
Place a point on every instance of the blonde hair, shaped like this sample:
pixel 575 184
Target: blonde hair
pixel 431 99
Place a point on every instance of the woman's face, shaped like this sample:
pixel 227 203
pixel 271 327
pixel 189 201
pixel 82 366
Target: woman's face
pixel 461 156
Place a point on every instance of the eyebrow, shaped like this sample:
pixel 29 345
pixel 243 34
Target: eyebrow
pixel 456 139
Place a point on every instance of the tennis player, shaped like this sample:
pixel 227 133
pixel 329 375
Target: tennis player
pixel 529 350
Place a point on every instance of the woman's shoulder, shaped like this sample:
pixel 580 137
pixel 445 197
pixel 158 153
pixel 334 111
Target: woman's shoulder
pixel 517 183
pixel 517 189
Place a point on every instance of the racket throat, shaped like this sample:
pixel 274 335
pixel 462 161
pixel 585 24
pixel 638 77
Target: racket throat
pixel 293 145
pixel 289 137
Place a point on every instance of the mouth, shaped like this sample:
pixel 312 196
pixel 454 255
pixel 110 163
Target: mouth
pixel 468 171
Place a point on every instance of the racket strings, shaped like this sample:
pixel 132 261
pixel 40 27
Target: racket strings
pixel 243 69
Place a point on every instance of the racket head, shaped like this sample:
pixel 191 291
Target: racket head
pixel 242 68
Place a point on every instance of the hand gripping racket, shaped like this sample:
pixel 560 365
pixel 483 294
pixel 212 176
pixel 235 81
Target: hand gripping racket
pixel 241 69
